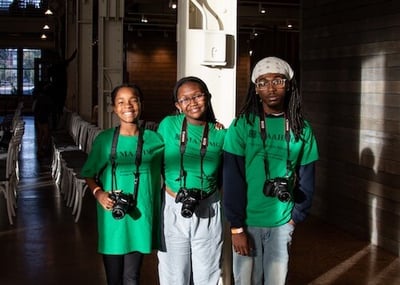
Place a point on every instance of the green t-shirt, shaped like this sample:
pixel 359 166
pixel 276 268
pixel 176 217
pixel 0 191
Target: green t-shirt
pixel 137 231
pixel 170 129
pixel 243 139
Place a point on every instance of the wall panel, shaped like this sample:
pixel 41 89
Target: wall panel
pixel 351 88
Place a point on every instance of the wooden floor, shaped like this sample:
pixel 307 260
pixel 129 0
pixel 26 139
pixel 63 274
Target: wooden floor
pixel 45 246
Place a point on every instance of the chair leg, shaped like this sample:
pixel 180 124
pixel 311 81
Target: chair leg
pixel 81 193
pixel 9 205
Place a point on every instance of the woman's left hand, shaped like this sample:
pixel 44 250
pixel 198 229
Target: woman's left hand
pixel 219 126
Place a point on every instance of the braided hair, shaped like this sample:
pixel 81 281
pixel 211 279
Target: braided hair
pixel 292 107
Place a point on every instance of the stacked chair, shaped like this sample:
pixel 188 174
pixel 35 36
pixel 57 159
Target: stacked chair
pixel 71 146
pixel 9 166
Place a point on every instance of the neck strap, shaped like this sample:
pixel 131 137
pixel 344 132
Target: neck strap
pixel 138 160
pixel 203 150
pixel 263 133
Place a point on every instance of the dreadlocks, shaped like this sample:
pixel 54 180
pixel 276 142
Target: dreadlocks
pixel 253 107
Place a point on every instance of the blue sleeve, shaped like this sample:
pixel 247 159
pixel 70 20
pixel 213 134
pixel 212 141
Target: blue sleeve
pixel 304 192
pixel 234 193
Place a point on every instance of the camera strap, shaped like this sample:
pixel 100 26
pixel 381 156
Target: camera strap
pixel 203 150
pixel 263 133
pixel 138 160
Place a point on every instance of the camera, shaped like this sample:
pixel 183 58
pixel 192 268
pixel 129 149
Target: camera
pixel 123 203
pixel 277 187
pixel 190 199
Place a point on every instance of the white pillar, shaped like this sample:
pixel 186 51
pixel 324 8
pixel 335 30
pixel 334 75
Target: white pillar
pixel 206 36
pixel 83 76
pixel 110 61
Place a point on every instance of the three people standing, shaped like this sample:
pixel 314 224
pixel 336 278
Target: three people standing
pixel 268 157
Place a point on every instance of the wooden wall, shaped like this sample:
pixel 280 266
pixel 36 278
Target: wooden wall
pixel 151 63
pixel 350 59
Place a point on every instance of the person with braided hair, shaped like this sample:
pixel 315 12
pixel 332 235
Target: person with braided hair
pixel 269 164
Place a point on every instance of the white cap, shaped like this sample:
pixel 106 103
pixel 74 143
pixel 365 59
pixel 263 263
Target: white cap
pixel 272 65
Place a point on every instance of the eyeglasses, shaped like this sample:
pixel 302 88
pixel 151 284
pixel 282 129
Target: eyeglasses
pixel 277 83
pixel 196 98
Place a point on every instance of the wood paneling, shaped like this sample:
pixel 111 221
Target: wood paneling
pixel 151 63
pixel 351 88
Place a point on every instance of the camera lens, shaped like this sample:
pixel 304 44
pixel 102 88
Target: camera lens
pixel 186 213
pixel 118 213
pixel 188 207
pixel 284 196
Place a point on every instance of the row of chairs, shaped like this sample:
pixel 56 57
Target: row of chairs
pixel 9 163
pixel 71 146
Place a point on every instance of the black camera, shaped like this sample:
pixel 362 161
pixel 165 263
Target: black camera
pixel 190 199
pixel 278 187
pixel 123 203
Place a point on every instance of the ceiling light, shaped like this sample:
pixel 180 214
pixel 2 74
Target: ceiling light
pixel 46 27
pixel 143 19
pixel 261 9
pixel 253 34
pixel 172 4
pixel 48 12
pixel 43 37
pixel 289 26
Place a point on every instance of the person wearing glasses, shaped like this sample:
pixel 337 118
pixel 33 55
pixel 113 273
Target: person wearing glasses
pixel 123 172
pixel 269 162
pixel 191 220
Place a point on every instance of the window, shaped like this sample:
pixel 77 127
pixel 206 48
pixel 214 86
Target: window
pixel 17 71
pixel 5 4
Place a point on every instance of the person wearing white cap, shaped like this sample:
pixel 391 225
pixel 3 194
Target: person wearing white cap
pixel 269 164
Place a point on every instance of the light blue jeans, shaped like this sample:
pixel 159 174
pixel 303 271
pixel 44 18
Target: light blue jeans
pixel 191 247
pixel 268 263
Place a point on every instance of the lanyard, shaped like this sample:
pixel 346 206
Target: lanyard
pixel 263 133
pixel 138 161
pixel 182 149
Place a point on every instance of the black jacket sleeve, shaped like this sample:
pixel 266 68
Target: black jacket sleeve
pixel 304 192
pixel 235 186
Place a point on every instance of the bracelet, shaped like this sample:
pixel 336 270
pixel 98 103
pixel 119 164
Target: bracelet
pixel 95 190
pixel 236 231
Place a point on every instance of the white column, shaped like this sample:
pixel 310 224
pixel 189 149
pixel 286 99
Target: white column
pixel 110 62
pixel 84 75
pixel 206 36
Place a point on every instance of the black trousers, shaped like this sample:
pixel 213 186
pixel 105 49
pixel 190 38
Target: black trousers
pixel 123 269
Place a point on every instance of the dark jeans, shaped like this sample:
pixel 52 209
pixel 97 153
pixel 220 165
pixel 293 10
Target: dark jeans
pixel 123 269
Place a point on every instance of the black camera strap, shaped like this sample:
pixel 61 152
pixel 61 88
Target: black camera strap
pixel 263 133
pixel 203 150
pixel 138 161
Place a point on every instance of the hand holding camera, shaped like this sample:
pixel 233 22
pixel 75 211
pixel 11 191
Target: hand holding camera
pixel 123 203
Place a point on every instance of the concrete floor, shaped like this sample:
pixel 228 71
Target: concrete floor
pixel 45 246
